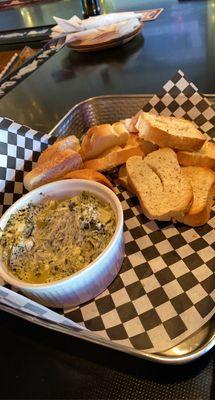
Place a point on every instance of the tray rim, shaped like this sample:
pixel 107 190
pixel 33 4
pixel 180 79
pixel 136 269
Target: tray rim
pixel 145 96
pixel 154 357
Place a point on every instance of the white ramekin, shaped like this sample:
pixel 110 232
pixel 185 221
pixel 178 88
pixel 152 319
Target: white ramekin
pixel 91 280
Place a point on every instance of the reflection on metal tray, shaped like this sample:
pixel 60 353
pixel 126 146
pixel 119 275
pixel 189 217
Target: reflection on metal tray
pixel 104 109
pixel 97 110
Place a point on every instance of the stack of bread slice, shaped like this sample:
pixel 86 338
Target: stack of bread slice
pixel 158 181
pixel 106 146
pixel 175 182
pixel 168 192
pixel 166 161
pixel 103 147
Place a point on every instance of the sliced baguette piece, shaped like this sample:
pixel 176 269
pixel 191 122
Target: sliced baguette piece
pixel 123 179
pixel 113 159
pixel 176 133
pixel 205 157
pixel 146 147
pixel 102 137
pixel 130 123
pixel 163 191
pixel 70 142
pixel 61 163
pixel 116 155
pixel 89 174
pixel 202 181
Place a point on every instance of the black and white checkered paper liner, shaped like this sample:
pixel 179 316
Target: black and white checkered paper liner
pixel 180 98
pixel 20 148
pixel 166 289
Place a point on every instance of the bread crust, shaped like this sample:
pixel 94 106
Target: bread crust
pixel 49 171
pixel 203 158
pixel 123 179
pixel 89 174
pixel 195 159
pixel 202 181
pixel 102 137
pixel 70 142
pixel 114 158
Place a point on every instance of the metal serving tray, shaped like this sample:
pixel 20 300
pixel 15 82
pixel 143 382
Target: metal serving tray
pixel 189 350
pixel 106 109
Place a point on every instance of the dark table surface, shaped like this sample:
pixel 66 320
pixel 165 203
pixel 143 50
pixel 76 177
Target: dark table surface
pixel 41 364
pixel 37 15
pixel 38 363
pixel 183 37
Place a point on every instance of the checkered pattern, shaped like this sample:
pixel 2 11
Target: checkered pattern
pixel 166 286
pixel 166 289
pixel 20 148
pixel 181 98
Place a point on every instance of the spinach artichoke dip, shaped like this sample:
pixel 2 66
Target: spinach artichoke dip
pixel 50 241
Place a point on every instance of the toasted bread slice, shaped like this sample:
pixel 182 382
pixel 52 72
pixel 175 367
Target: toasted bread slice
pixel 205 157
pixel 130 123
pixel 123 179
pixel 90 175
pixel 59 165
pixel 102 137
pixel 176 133
pixel 202 181
pixel 68 143
pixel 163 191
pixel 115 156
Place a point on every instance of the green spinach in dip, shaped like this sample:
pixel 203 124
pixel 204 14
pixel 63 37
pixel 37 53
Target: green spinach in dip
pixel 50 241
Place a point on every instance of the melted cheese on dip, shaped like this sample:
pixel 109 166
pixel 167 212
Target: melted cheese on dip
pixel 47 242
